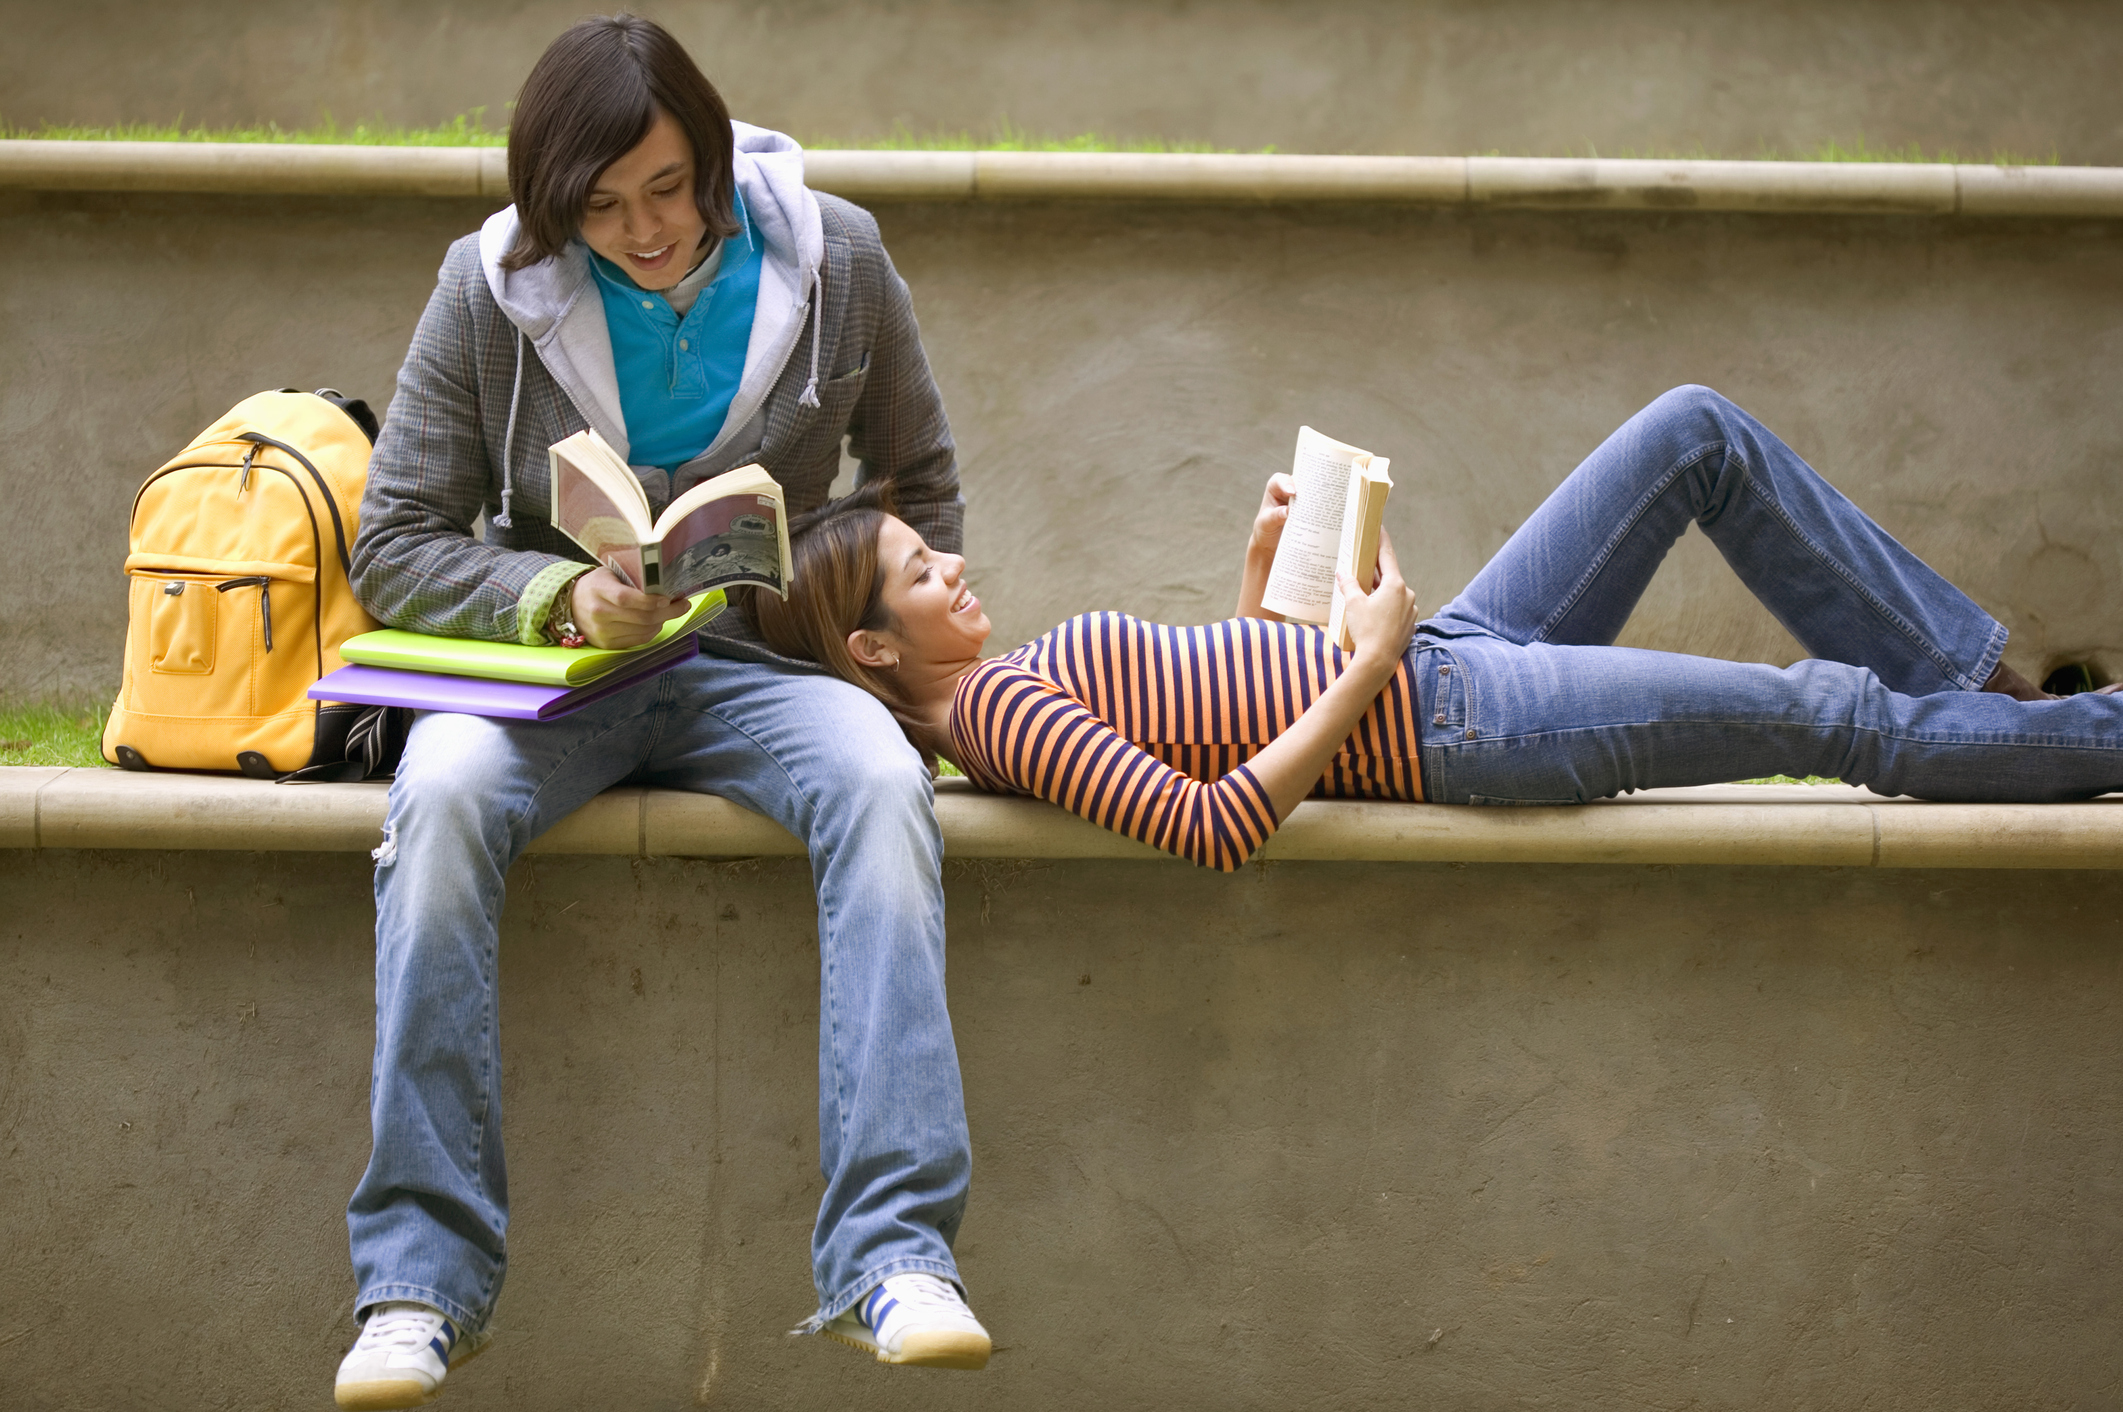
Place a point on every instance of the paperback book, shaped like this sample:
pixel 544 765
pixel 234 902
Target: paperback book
pixel 730 530
pixel 1335 517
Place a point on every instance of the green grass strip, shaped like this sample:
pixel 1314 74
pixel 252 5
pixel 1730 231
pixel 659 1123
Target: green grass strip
pixel 464 130
pixel 469 129
pixel 52 735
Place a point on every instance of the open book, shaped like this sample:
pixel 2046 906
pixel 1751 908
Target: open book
pixel 729 530
pixel 1334 524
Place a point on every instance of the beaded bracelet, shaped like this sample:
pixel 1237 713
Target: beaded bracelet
pixel 560 618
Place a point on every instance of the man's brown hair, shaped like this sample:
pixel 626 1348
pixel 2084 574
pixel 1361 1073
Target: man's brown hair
pixel 590 98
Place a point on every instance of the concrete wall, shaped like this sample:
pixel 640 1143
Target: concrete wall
pixel 1448 76
pixel 1318 1135
pixel 1122 378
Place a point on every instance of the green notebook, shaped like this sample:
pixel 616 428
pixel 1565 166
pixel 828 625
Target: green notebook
pixel 512 661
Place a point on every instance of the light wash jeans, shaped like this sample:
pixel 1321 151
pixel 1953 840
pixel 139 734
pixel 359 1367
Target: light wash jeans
pixel 1525 702
pixel 429 1220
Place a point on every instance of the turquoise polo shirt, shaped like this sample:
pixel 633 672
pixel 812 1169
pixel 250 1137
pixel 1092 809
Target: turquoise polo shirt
pixel 678 375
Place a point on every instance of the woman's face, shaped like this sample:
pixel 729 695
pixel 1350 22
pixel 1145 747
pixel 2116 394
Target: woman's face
pixel 941 625
pixel 640 214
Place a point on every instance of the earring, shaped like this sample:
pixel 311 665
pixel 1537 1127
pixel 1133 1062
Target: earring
pixel 893 664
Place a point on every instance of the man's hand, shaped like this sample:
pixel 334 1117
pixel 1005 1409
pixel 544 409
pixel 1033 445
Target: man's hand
pixel 1380 622
pixel 611 614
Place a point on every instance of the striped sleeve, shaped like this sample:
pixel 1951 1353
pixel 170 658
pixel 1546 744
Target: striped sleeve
pixel 1019 733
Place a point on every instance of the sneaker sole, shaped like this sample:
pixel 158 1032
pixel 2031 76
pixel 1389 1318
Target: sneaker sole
pixel 394 1394
pixel 383 1395
pixel 941 1349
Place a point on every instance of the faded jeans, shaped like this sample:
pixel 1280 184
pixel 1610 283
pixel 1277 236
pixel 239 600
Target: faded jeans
pixel 1525 700
pixel 429 1220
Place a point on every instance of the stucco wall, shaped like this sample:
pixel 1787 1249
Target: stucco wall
pixel 1318 1135
pixel 1121 378
pixel 1452 76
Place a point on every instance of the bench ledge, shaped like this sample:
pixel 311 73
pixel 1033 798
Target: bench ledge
pixel 1793 825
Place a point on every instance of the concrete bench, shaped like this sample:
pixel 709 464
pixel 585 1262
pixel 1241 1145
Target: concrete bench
pixel 1720 1096
pixel 1764 825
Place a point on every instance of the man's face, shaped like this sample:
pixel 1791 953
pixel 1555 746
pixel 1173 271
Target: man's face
pixel 640 214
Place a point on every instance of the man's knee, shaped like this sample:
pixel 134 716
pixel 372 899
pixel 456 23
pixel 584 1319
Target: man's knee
pixel 1693 402
pixel 453 790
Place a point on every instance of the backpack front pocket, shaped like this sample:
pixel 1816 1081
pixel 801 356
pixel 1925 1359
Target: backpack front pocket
pixel 210 640
pixel 183 619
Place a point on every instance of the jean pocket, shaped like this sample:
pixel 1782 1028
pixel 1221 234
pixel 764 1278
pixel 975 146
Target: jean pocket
pixel 1492 799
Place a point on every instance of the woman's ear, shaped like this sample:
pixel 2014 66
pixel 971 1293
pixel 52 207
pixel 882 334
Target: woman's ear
pixel 871 650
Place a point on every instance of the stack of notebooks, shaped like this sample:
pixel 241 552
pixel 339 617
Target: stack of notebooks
pixel 394 668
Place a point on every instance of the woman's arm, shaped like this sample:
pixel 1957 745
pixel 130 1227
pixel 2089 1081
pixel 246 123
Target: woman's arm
pixel 1382 622
pixel 1018 731
pixel 1260 546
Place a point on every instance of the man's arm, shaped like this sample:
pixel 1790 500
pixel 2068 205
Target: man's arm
pixel 898 428
pixel 416 564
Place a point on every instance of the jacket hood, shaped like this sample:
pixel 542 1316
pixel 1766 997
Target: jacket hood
pixel 554 302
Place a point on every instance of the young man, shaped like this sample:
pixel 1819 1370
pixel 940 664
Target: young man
pixel 665 278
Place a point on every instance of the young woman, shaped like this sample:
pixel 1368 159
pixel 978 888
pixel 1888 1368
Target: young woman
pixel 1200 740
pixel 665 277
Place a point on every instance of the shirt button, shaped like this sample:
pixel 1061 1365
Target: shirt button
pixel 648 303
pixel 683 344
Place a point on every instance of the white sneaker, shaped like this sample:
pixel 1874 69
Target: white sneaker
pixel 400 1359
pixel 917 1320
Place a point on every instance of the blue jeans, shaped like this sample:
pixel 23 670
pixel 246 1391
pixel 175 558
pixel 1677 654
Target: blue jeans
pixel 429 1220
pixel 1526 702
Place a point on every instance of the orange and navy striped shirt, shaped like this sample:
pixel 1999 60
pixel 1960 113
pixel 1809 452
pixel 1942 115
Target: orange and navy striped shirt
pixel 1145 729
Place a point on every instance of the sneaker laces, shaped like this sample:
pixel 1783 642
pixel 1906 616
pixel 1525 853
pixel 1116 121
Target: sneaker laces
pixel 913 1294
pixel 404 1328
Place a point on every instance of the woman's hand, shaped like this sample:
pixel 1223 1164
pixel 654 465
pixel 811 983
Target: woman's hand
pixel 1274 513
pixel 1268 525
pixel 1382 621
pixel 611 614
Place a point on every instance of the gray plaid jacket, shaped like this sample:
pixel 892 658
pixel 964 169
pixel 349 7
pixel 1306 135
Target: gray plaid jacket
pixel 437 464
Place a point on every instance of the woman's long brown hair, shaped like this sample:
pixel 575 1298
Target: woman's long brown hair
pixel 837 588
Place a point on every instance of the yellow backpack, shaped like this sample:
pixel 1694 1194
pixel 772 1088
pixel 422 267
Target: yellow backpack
pixel 239 592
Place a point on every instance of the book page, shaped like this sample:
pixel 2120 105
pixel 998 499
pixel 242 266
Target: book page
pixel 731 540
pixel 586 510
pixel 1301 580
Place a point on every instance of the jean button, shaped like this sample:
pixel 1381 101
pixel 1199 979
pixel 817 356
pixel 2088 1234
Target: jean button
pixel 1471 734
pixel 1438 719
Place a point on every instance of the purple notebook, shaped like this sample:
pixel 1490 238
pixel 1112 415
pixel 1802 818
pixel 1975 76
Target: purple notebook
pixel 483 696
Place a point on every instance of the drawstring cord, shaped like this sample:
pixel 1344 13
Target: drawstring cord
pixel 508 487
pixel 817 302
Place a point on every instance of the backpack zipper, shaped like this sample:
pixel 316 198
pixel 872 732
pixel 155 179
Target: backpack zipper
pixel 264 586
pixel 331 501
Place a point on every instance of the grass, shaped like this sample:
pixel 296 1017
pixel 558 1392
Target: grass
pixel 464 130
pixel 469 129
pixel 1005 136
pixel 52 735
pixel 1860 150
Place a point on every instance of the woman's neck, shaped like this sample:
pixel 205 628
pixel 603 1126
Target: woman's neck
pixel 929 702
